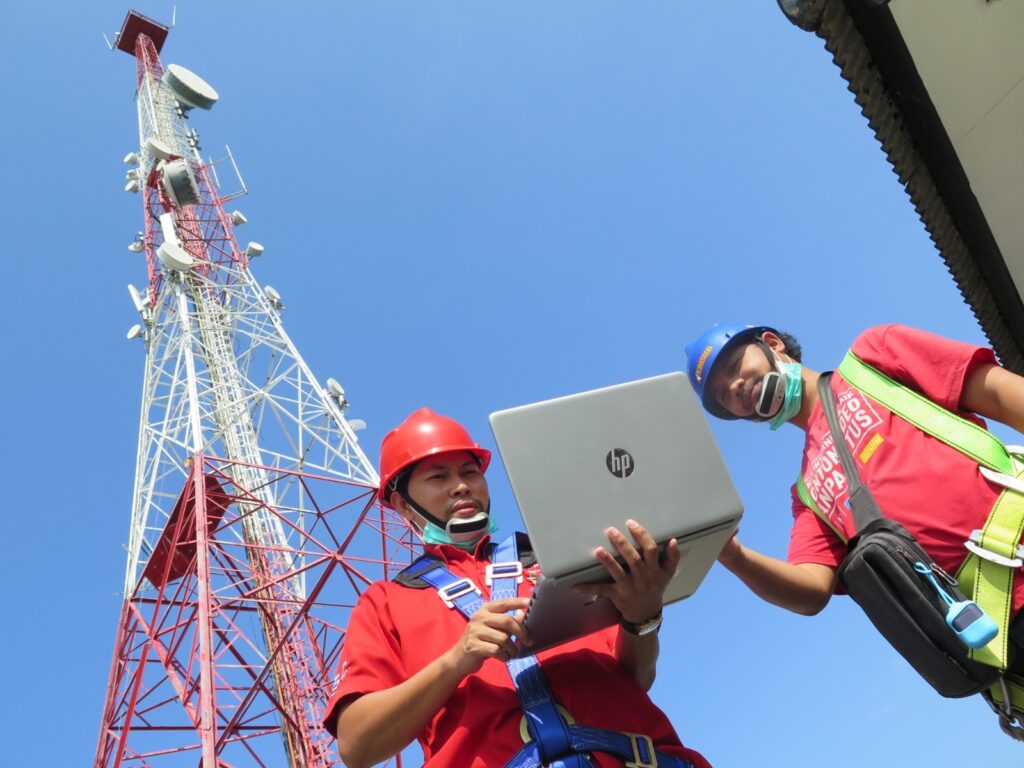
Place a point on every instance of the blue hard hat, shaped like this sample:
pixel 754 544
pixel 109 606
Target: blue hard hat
pixel 704 351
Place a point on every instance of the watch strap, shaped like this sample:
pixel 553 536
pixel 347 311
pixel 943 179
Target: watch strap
pixel 644 627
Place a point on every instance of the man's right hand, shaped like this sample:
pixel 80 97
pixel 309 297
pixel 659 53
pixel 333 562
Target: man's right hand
pixel 489 634
pixel 731 552
pixel 378 725
pixel 803 588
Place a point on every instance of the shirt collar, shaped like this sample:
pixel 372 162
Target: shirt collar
pixel 452 554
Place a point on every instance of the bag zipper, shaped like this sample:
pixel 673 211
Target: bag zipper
pixel 910 558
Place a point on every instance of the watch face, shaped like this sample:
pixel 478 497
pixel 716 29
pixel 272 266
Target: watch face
pixel 650 626
pixel 642 629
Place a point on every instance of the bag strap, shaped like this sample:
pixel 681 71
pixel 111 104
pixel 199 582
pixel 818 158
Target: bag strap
pixel 986 581
pixel 931 418
pixel 1006 698
pixel 865 509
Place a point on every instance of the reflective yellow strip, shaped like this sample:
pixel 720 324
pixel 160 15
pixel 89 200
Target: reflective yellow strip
pixel 870 448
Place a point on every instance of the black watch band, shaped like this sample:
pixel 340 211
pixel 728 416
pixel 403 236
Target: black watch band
pixel 645 627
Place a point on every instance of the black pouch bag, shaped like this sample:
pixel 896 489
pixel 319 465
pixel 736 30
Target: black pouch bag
pixel 878 573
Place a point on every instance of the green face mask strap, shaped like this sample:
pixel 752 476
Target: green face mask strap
pixel 790 373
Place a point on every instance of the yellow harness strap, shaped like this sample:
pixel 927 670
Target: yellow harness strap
pixel 988 571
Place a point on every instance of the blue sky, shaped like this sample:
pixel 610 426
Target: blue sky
pixel 469 206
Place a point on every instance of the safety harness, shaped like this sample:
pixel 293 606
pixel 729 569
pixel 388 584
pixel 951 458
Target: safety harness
pixel 551 737
pixel 995 552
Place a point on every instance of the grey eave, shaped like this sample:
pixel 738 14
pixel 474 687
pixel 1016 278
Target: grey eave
pixel 866 46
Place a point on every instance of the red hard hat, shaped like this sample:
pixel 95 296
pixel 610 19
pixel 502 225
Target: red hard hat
pixel 423 434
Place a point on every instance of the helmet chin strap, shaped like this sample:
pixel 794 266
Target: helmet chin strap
pixel 459 529
pixel 463 529
pixel 773 388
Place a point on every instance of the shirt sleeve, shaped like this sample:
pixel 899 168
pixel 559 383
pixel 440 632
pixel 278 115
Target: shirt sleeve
pixel 811 540
pixel 371 655
pixel 932 365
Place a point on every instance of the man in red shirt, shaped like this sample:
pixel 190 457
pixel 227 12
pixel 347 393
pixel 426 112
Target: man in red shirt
pixel 414 667
pixel 934 490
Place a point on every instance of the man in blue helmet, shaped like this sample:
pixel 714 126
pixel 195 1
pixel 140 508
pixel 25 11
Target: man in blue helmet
pixel 918 478
pixel 754 373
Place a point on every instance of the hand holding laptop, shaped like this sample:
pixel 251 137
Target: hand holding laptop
pixel 638 589
pixel 576 462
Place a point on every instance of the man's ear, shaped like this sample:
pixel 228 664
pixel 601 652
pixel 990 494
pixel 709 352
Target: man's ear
pixel 402 507
pixel 774 342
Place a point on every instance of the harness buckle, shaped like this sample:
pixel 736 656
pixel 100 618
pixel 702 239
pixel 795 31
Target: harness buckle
pixel 524 730
pixel 503 571
pixel 973 544
pixel 1001 478
pixel 644 755
pixel 455 590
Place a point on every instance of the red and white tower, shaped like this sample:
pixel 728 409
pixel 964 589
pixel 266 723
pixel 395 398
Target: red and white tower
pixel 253 526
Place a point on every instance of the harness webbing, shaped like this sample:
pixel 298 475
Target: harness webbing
pixel 989 583
pixel 931 418
pixel 556 742
pixel 545 724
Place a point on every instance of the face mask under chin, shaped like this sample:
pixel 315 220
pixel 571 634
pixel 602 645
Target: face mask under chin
pixel 464 534
pixel 787 393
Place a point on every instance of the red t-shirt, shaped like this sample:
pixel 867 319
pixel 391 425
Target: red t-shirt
pixel 932 489
pixel 394 631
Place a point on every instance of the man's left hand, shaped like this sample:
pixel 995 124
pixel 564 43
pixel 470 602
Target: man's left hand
pixel 638 589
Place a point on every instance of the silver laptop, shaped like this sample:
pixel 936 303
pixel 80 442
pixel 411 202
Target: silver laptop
pixel 581 463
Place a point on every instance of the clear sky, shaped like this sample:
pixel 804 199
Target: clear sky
pixel 469 206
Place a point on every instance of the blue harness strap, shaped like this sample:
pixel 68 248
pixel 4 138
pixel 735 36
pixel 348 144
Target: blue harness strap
pixel 635 750
pixel 557 742
pixel 545 724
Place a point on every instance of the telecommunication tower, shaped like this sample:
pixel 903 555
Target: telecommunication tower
pixel 253 525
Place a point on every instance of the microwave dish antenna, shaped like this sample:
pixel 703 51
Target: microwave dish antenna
pixel 189 88
pixel 158 149
pixel 179 182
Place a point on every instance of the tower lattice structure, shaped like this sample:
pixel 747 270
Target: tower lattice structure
pixel 253 521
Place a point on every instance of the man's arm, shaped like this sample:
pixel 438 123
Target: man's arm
pixel 638 654
pixel 637 591
pixel 995 393
pixel 804 588
pixel 378 725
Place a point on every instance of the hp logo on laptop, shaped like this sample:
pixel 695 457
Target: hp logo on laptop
pixel 619 462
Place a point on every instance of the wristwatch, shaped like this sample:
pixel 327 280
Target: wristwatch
pixel 644 627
